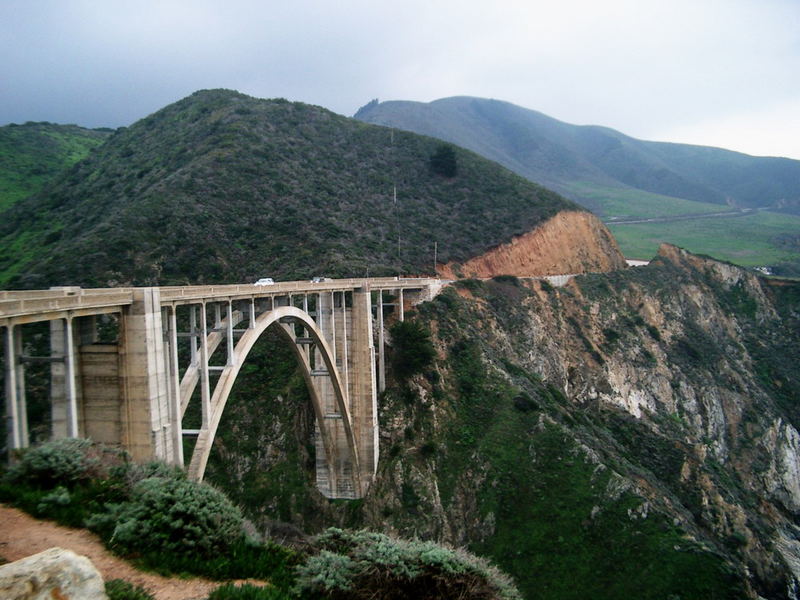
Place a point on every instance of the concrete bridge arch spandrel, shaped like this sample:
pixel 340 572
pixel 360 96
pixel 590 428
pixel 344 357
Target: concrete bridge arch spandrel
pixel 341 463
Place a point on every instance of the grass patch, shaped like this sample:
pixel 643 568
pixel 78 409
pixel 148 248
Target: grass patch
pixel 745 240
pixel 617 203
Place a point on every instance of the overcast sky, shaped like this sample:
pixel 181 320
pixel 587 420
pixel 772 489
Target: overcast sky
pixel 714 72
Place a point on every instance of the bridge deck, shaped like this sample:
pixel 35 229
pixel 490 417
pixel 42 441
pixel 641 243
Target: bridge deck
pixel 27 306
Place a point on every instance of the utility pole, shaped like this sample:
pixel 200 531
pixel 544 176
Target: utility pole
pixel 397 223
pixel 435 248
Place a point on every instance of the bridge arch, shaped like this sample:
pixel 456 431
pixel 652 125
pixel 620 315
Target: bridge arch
pixel 277 318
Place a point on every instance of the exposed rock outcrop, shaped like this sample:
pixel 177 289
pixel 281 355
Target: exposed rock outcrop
pixel 644 421
pixel 569 242
pixel 53 574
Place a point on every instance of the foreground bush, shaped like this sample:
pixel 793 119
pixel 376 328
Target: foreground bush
pixel 119 589
pixel 364 565
pixel 64 462
pixel 247 592
pixel 149 511
pixel 165 514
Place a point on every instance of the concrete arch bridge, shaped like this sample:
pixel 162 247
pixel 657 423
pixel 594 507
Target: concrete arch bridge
pixel 177 346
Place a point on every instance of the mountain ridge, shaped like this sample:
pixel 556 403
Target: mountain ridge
pixel 215 187
pixel 559 154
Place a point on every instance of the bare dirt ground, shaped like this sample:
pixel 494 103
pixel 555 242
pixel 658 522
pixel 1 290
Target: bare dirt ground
pixel 21 535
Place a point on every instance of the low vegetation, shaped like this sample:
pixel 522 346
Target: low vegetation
pixel 119 589
pixel 363 565
pixel 33 154
pixel 750 240
pixel 151 513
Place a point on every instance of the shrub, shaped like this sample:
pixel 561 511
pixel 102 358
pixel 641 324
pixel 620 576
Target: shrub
pixel 443 161
pixel 119 589
pixel 413 348
pixel 64 461
pixel 243 560
pixel 247 592
pixel 362 564
pixel 173 515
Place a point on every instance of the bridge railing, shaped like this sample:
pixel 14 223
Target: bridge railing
pixel 33 304
pixel 16 303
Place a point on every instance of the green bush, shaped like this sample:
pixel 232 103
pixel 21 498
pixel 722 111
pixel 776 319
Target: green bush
pixel 413 348
pixel 67 462
pixel 362 564
pixel 247 592
pixel 173 515
pixel 59 462
pixel 243 560
pixel 443 161
pixel 148 511
pixel 119 589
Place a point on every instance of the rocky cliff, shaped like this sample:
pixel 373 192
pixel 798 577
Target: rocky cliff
pixel 568 242
pixel 633 433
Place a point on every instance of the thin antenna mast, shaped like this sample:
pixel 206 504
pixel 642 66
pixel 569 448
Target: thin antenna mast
pixel 397 223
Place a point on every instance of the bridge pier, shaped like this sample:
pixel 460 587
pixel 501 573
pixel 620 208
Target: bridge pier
pixel 16 417
pixel 146 428
pixel 363 385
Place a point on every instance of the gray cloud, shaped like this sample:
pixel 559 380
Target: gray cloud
pixel 651 69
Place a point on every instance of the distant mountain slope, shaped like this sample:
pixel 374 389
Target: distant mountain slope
pixel 568 157
pixel 33 153
pixel 222 187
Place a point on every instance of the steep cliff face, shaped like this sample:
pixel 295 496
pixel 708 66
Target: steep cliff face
pixel 569 242
pixel 634 433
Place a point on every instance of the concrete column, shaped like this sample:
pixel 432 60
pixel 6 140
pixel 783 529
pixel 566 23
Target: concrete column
pixel 145 420
pixel 58 392
pixel 193 334
pixel 65 389
pixel 332 338
pixel 14 439
pixel 325 323
pixel 229 332
pixel 339 483
pixel 345 359
pixel 363 396
pixel 401 315
pixel 381 344
pixel 70 373
pixel 205 383
pixel 217 315
pixel 175 389
pixel 59 383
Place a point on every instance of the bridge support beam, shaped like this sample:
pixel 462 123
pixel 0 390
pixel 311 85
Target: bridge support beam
pixel 16 419
pixel 145 396
pixel 336 482
pixel 363 385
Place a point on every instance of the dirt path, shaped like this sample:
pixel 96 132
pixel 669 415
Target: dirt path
pixel 21 535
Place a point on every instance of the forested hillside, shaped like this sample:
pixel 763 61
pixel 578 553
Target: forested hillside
pixel 33 153
pixel 222 187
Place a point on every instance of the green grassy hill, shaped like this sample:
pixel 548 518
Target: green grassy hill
pixel 576 159
pixel 619 177
pixel 222 187
pixel 33 153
